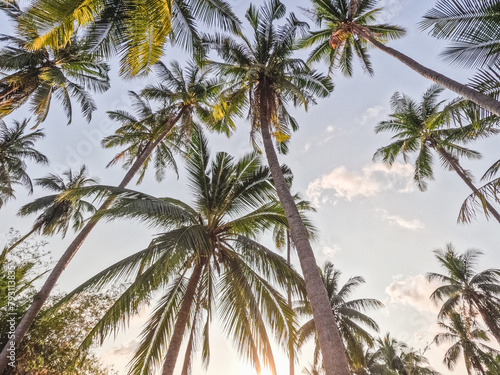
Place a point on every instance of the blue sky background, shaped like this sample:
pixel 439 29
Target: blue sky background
pixel 373 221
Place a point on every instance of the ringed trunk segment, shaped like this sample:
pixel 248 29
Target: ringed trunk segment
pixel 42 296
pixel 456 167
pixel 475 96
pixel 181 322
pixel 330 341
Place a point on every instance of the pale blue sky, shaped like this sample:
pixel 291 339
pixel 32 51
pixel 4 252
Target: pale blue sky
pixel 372 222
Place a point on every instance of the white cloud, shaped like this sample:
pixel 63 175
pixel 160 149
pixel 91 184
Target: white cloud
pixel 126 349
pixel 413 291
pixel 392 8
pixel 413 224
pixel 329 134
pixel 371 114
pixel 331 251
pixel 371 180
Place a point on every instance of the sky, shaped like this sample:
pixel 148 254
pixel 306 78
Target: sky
pixel 372 220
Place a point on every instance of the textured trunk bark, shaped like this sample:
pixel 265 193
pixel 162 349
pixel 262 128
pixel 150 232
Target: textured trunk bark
pixel 477 97
pixel 291 355
pixel 181 322
pixel 70 252
pixel 458 169
pixel 190 345
pixel 332 347
pixel 22 239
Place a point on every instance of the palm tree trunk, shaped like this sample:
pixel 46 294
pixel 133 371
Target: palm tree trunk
pixel 332 347
pixel 181 321
pixel 35 228
pixel 190 345
pixel 48 286
pixel 477 97
pixel 189 351
pixel 291 356
pixel 458 169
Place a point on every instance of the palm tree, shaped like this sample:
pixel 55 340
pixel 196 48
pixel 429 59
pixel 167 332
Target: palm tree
pixel 58 212
pixel 206 262
pixel 416 364
pixel 137 29
pixel 390 352
pixel 347 26
pixel 17 147
pixel 349 314
pixel 465 337
pixel 197 93
pixel 263 69
pixel 138 132
pixel 425 126
pixel 65 71
pixel 472 26
pixel 463 286
pixel 371 364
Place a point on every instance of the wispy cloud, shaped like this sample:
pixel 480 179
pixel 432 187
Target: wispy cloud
pixel 413 291
pixel 371 114
pixel 331 251
pixel 369 181
pixel 125 349
pixel 411 224
pixel 392 8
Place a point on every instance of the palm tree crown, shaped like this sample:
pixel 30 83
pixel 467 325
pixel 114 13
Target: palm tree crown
pixel 59 212
pixel 348 28
pixel 338 39
pixel 465 288
pixel 17 147
pixel 137 30
pixel 64 72
pixel 137 132
pixel 472 26
pixel 466 339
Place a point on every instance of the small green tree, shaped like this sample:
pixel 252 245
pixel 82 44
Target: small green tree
pixel 51 345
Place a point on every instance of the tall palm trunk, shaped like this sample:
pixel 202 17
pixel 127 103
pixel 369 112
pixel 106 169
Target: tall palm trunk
pixel 70 252
pixel 291 346
pixel 477 97
pixel 458 169
pixel 14 245
pixel 181 322
pixel 190 345
pixel 332 347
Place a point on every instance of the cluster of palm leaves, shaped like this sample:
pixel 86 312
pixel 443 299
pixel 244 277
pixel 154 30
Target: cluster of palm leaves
pixel 206 259
pixel 470 313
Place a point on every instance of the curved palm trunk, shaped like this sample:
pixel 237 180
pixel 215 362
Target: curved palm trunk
pixel 456 167
pixel 291 356
pixel 70 252
pixel 14 245
pixel 181 322
pixel 477 97
pixel 332 347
